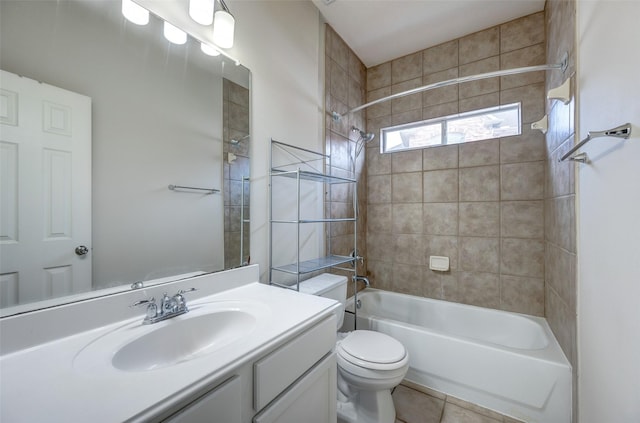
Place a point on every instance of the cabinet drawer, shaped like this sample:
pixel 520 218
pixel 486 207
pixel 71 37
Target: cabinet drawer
pixel 275 372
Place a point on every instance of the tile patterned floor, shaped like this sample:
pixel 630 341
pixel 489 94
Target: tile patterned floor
pixel 416 404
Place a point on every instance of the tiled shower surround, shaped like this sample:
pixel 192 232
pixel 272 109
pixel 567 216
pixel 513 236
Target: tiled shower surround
pixel 481 204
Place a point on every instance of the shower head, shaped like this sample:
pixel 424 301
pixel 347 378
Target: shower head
pixel 365 137
pixel 236 141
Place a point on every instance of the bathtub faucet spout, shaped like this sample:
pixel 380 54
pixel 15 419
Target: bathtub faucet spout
pixel 357 278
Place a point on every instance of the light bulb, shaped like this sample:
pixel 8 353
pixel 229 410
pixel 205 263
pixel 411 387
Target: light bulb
pixel 173 34
pixel 209 50
pixel 223 27
pixel 135 13
pixel 201 11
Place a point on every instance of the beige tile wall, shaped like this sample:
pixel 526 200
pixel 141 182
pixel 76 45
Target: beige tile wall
pixel 560 222
pixel 345 83
pixel 481 204
pixel 235 109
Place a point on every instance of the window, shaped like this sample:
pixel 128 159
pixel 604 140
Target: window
pixel 494 122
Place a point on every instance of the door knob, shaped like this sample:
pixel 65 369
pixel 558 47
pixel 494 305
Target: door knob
pixel 81 250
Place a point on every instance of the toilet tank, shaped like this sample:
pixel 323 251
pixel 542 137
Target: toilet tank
pixel 329 286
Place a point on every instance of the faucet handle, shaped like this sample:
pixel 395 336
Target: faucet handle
pixel 152 308
pixel 181 303
pixel 141 302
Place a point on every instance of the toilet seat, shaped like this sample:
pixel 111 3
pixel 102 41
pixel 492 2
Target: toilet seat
pixel 372 350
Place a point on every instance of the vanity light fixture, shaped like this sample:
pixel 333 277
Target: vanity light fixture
pixel 204 13
pixel 223 26
pixel 135 13
pixel 209 50
pixel 174 34
pixel 201 11
pixel 213 41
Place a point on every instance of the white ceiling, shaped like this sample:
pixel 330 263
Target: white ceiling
pixel 382 30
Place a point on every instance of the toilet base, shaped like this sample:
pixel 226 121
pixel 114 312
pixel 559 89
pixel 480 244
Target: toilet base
pixel 367 407
pixel 346 412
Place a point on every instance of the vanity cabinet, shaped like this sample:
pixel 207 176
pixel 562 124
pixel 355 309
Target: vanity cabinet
pixel 291 383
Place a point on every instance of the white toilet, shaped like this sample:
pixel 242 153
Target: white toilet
pixel 369 363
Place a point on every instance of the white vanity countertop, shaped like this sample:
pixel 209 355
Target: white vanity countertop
pixel 48 382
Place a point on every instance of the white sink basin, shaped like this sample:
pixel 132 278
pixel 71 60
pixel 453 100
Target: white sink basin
pixel 204 330
pixel 184 340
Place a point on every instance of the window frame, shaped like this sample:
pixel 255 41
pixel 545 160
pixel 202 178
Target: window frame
pixel 443 121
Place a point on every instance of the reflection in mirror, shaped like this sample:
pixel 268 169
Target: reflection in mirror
pixel 147 114
pixel 236 174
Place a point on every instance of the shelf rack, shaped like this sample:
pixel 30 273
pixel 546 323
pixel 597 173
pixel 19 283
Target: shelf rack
pixel 302 164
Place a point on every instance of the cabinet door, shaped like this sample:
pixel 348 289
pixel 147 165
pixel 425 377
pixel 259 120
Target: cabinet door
pixel 311 399
pixel 221 405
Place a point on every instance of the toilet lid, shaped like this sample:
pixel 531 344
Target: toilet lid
pixel 368 348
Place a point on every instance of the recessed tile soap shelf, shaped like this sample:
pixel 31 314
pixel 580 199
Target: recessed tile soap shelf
pixel 439 263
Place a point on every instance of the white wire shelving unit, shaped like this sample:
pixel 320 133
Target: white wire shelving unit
pixel 305 166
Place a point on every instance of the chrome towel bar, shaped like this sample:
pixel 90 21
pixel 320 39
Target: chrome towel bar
pixel 622 131
pixel 179 187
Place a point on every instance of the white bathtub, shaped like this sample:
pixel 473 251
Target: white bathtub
pixel 507 362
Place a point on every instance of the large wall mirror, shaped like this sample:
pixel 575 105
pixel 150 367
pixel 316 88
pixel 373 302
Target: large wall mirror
pixel 98 118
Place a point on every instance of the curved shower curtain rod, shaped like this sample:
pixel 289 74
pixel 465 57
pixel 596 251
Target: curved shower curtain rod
pixel 563 66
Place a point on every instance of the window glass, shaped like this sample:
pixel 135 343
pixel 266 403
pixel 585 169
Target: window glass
pixel 423 135
pixel 494 122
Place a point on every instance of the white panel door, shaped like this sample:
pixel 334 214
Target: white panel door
pixel 45 191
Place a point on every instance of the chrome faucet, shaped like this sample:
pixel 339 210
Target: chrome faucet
pixel 362 279
pixel 367 284
pixel 169 307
